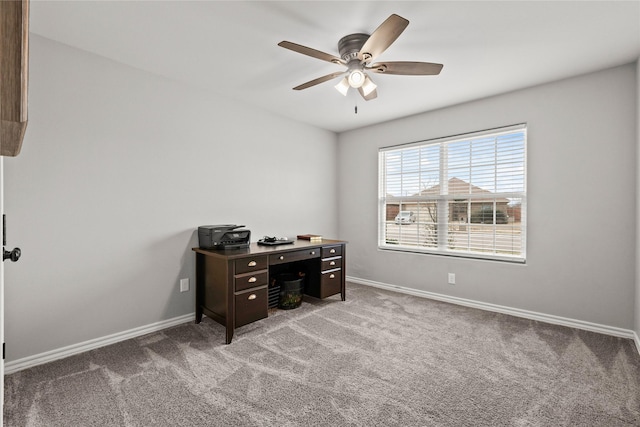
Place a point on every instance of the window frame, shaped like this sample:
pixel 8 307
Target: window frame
pixel 445 199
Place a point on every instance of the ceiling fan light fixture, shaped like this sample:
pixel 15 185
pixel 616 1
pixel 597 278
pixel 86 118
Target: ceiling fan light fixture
pixel 356 78
pixel 358 52
pixel 343 86
pixel 368 86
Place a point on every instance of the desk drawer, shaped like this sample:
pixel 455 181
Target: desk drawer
pixel 331 251
pixel 251 305
pixel 282 258
pixel 251 280
pixel 331 283
pixel 331 263
pixel 246 265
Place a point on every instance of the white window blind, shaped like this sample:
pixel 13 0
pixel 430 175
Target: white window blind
pixel 463 195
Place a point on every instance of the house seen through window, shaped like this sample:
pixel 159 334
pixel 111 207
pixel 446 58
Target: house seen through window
pixel 462 196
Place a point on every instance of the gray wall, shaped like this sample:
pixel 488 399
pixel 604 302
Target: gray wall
pixel 637 317
pixel 120 166
pixel 118 169
pixel 581 201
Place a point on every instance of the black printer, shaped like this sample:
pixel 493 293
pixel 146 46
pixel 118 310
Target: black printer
pixel 224 236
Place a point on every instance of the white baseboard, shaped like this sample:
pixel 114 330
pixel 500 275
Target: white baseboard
pixel 60 353
pixel 542 317
pixel 50 356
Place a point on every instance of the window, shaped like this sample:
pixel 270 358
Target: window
pixel 461 196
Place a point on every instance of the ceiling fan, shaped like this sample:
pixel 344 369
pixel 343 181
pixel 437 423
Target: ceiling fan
pixel 357 51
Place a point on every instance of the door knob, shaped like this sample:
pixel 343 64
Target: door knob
pixel 13 255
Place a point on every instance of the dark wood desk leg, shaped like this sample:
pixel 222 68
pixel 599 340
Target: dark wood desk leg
pixel 199 286
pixel 230 321
pixel 344 273
pixel 231 324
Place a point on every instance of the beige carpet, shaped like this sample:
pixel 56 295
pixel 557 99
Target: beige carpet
pixel 378 359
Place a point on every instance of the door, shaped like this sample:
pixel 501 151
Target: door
pixel 12 255
pixel 14 61
pixel 2 293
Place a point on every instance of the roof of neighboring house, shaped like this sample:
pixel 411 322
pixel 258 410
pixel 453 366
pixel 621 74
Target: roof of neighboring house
pixel 458 186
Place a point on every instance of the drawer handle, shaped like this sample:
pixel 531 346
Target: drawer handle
pixel 332 276
pixel 332 251
pixel 332 263
pixel 252 297
pixel 252 279
pixel 313 252
pixel 281 257
pixel 252 264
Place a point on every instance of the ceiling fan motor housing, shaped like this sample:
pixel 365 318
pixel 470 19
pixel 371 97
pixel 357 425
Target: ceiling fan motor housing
pixel 349 46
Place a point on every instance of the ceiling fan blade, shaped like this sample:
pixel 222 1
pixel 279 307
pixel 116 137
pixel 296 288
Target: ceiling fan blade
pixel 406 68
pixel 372 95
pixel 382 37
pixel 311 52
pixel 319 80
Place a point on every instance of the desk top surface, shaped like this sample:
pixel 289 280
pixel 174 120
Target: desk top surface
pixel 255 249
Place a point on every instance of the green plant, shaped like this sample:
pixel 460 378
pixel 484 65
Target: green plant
pixel 290 300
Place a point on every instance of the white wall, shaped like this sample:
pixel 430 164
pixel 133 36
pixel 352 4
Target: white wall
pixel 581 201
pixel 118 169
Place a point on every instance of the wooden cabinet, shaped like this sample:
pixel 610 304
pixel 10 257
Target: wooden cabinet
pixel 331 251
pixel 232 286
pixel 251 305
pixel 14 75
pixel 330 283
pixel 250 287
pixel 331 263
pixel 251 280
pixel 292 256
pixel 331 279
pixel 249 264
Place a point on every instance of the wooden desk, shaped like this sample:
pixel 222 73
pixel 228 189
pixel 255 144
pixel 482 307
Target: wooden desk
pixel 232 285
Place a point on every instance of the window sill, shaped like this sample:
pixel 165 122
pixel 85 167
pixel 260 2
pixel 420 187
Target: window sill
pixel 474 256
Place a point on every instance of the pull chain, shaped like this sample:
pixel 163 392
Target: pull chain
pixel 354 95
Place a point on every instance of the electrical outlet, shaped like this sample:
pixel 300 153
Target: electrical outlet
pixel 184 285
pixel 452 278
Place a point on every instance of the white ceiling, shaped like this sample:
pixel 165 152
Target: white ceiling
pixel 230 47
